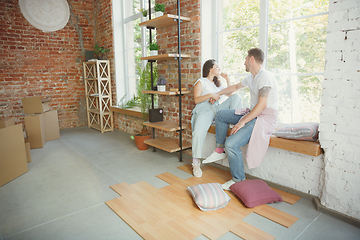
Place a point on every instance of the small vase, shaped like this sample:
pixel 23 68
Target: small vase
pixel 153 52
pixel 161 88
pixel 159 14
pixel 143 19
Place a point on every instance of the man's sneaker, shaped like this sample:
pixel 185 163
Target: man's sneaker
pixel 197 170
pixel 226 186
pixel 214 157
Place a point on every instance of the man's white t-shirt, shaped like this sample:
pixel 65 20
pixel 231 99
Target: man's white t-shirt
pixel 262 79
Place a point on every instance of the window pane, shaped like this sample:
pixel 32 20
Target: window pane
pixel 291 43
pixel 299 98
pixel 233 47
pixel 239 13
pixel 285 9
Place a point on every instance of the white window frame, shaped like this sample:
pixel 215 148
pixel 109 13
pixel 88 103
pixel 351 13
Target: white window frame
pixel 123 48
pixel 211 8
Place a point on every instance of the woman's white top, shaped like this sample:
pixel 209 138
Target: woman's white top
pixel 210 87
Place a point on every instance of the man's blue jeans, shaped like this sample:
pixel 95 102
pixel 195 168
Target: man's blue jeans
pixel 233 143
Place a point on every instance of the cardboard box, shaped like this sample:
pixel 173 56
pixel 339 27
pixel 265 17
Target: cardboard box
pixel 33 105
pixel 27 148
pixel 13 155
pixel 7 122
pixel 51 123
pixel 34 124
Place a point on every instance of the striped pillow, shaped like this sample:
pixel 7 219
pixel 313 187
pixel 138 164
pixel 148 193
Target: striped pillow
pixel 307 131
pixel 209 196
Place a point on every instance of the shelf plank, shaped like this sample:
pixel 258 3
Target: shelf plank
pixel 163 21
pixel 171 93
pixel 94 111
pixel 166 125
pixel 304 147
pixel 167 144
pixel 167 56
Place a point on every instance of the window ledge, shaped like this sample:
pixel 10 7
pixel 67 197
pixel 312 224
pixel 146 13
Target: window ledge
pixel 303 147
pixel 134 112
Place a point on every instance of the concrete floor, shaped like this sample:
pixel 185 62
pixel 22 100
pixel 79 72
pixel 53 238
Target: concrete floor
pixel 63 195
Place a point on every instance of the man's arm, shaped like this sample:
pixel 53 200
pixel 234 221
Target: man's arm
pixel 259 107
pixel 231 89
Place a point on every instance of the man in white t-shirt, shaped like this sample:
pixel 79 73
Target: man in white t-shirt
pixel 253 125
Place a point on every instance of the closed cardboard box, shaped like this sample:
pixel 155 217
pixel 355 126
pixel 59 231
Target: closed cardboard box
pixel 13 161
pixel 34 124
pixel 7 122
pixel 33 105
pixel 51 123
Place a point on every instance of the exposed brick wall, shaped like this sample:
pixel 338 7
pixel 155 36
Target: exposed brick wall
pixel 190 43
pixel 104 35
pixel 340 111
pixel 37 63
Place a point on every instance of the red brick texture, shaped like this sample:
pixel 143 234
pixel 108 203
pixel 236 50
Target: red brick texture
pixel 48 64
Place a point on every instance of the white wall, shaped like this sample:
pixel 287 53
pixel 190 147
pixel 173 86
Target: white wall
pixel 340 111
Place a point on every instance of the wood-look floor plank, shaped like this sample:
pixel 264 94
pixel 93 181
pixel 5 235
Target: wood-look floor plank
pixel 249 232
pixel 276 215
pixel 287 197
pixel 171 213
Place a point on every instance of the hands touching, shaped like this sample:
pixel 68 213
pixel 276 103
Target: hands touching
pixel 213 98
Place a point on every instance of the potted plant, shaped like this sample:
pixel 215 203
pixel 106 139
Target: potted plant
pixel 144 12
pixel 161 82
pixel 159 9
pixel 144 101
pixel 154 47
pixel 99 51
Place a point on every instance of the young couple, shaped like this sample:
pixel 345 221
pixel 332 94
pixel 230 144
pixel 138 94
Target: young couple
pixel 251 126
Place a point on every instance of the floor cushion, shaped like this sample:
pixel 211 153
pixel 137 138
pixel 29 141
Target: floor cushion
pixel 209 196
pixel 255 192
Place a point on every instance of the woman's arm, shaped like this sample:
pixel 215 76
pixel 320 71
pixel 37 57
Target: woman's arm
pixel 197 94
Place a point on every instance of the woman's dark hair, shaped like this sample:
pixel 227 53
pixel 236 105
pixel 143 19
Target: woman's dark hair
pixel 206 69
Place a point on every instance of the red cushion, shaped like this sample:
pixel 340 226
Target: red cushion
pixel 255 192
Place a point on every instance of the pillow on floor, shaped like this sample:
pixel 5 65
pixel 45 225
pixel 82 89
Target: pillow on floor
pixel 308 131
pixel 209 196
pixel 255 192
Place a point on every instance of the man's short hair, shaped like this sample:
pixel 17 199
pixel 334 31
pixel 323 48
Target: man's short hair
pixel 257 53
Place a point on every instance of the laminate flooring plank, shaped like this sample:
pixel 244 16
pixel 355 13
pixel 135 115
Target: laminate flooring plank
pixel 249 232
pixel 276 215
pixel 287 197
pixel 171 213
pixel 122 188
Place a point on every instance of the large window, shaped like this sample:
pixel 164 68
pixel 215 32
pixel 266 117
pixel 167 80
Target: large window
pixel 136 42
pixel 292 35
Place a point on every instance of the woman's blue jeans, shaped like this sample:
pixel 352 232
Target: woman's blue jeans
pixel 202 118
pixel 233 143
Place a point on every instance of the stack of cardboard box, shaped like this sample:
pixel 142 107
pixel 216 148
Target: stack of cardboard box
pixel 41 123
pixel 14 152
